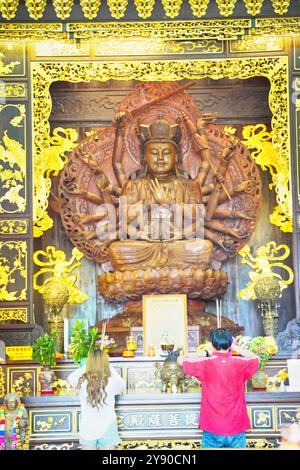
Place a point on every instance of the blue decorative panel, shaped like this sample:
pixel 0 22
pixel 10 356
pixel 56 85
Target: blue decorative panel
pixel 51 422
pixel 288 415
pixel 262 418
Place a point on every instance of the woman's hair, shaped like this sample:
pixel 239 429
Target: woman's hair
pixel 221 338
pixel 96 374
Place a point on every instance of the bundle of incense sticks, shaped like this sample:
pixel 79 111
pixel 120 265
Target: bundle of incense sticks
pixel 219 313
pixel 103 333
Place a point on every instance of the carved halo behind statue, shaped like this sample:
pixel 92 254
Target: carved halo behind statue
pixel 211 167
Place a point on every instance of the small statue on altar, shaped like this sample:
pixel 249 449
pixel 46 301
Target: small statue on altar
pixel 14 426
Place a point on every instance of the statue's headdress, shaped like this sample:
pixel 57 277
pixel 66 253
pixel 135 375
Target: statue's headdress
pixel 160 130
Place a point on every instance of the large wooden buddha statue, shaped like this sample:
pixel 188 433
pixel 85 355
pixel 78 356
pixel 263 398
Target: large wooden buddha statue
pixel 160 191
pixel 186 197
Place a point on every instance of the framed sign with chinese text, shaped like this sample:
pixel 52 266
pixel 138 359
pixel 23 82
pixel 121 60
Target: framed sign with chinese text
pixel 165 314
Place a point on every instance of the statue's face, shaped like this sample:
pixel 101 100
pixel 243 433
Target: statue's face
pixel 160 158
pixel 11 404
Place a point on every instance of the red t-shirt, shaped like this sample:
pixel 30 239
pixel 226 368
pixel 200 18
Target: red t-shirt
pixel 223 407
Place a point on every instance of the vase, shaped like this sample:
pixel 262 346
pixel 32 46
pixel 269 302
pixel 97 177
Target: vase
pixel 259 380
pixel 46 378
pixel 83 361
pixel 56 323
pixel 270 316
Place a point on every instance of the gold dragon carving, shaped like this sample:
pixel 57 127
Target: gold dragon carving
pixel 13 166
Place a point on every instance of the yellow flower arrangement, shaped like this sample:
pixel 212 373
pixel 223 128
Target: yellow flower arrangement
pixel 202 347
pixel 262 346
pixel 271 345
pixel 274 382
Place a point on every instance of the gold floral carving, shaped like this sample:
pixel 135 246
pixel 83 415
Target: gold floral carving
pixel 13 90
pixel 9 8
pixel 134 47
pixel 260 444
pixel 144 47
pixel 200 47
pixel 206 29
pixel 172 7
pixel 49 423
pixel 50 158
pixel 90 8
pixel 253 7
pixel 277 26
pixel 22 384
pixel 35 8
pixel 2 382
pixel 154 30
pixel 226 7
pixel 179 30
pixel 13 166
pixel 184 444
pixel 257 44
pixel 6 69
pixel 144 7
pixel 63 8
pixel 64 446
pixel 31 35
pixel 118 7
pixel 13 270
pixel 199 8
pixel 13 227
pixel 275 69
pixel 281 6
pixel 65 48
pixel 7 314
pixel 161 444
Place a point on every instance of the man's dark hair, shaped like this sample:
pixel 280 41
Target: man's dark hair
pixel 221 338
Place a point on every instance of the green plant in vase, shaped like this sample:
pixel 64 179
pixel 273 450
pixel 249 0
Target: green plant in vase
pixel 44 351
pixel 82 343
pixel 264 347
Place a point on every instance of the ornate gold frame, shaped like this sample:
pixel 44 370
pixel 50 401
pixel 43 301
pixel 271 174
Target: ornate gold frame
pixel 45 73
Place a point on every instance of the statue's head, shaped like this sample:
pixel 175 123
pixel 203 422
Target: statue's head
pixel 11 401
pixel 160 146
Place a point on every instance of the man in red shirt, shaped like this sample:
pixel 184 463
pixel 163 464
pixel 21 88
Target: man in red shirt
pixel 223 415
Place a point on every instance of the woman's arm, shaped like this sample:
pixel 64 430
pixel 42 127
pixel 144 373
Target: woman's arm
pixel 75 376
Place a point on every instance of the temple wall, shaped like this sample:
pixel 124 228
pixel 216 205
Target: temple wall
pixel 88 105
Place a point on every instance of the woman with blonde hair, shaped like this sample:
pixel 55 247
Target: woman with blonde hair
pixel 97 383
